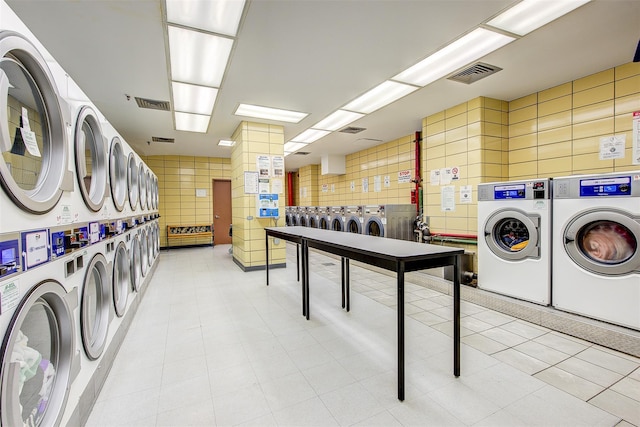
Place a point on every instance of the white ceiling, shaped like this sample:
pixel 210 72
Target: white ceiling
pixel 315 56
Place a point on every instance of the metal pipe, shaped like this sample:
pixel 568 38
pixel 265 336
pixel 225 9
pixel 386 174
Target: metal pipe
pixel 461 236
pixel 454 240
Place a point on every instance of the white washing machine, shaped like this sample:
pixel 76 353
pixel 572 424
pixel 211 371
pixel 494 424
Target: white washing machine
pixel 132 182
pixel 514 239
pixel 353 219
pixel 135 259
pixel 118 174
pixel 337 218
pixel 596 246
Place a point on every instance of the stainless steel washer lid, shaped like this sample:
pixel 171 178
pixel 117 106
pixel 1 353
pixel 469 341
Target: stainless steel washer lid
pixel 91 158
pixel 33 139
pixel 118 174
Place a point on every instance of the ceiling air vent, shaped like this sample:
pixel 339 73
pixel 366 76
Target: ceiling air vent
pixel 301 153
pixel 352 129
pixel 161 139
pixel 475 72
pixel 153 104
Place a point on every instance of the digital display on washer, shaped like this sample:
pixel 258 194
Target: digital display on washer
pixel 620 186
pixel 515 191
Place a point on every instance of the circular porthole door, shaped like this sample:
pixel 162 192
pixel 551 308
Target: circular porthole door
pixel 118 174
pixel 337 224
pixel 37 355
pixel 91 159
pixel 374 227
pixel 144 252
pixel 132 181
pixel 150 255
pixel 605 242
pixel 513 235
pixel 148 183
pixel 136 264
pixel 142 186
pixel 121 279
pixel 33 139
pixel 354 225
pixel 94 307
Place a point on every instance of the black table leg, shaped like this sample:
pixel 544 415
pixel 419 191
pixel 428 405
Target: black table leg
pixel 305 251
pixel 456 317
pixel 400 309
pixel 347 280
pixel 298 261
pixel 266 254
pixel 303 282
pixel 343 282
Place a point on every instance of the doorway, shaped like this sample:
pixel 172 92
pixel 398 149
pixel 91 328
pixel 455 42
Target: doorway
pixel 221 211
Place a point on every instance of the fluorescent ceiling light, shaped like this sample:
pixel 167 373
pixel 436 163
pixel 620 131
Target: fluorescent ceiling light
pixel 293 146
pixel 193 99
pixel 381 95
pixel 217 16
pixel 530 15
pixel 269 113
pixel 310 135
pixel 337 120
pixel 454 56
pixel 192 122
pixel 226 143
pixel 197 57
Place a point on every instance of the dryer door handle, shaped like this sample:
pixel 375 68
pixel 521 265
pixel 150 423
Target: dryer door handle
pixel 568 240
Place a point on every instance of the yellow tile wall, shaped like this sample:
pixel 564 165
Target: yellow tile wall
pixel 178 179
pixel 307 194
pixel 557 131
pixel 253 139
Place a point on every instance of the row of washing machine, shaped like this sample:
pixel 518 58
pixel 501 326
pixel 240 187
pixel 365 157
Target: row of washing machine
pixel 79 237
pixel 570 242
pixel 393 221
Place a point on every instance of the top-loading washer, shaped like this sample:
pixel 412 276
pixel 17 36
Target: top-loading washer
pixel 596 254
pixel 514 239
pixel 324 217
pixel 353 219
pixel 34 168
pixel 337 218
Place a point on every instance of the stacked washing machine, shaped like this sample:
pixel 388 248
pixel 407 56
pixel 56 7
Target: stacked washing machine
pixel 74 197
pixel 393 221
pixel 596 246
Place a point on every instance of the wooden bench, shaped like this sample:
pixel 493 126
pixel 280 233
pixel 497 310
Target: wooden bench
pixel 192 231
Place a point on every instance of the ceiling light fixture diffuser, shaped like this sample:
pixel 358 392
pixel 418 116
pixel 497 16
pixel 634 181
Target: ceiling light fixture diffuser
pixel 268 113
pixel 380 96
pixel 192 122
pixel 226 143
pixel 529 15
pixel 310 135
pixel 193 99
pixel 198 58
pixel 337 120
pixel 454 56
pixel 217 16
pixel 290 147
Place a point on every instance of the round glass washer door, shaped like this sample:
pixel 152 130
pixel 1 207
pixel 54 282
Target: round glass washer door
pixel 33 138
pixel 142 186
pixel 132 181
pixel 136 264
pixel 121 279
pixel 513 235
pixel 150 253
pixel 605 242
pixel 91 159
pixel 374 227
pixel 94 307
pixel 354 225
pixel 144 252
pixel 337 224
pixel 118 174
pixel 37 358
pixel 149 193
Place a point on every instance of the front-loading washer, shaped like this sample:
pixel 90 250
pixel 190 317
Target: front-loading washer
pixel 302 219
pixel 118 174
pixel 135 257
pixel 142 186
pixel 288 217
pixel 596 246
pixel 374 220
pixel 324 217
pixel 514 239
pixel 132 182
pixel 313 219
pixel 144 251
pixel 337 218
pixel 353 219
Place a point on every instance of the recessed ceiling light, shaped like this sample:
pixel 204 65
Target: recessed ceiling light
pixel 454 56
pixel 290 147
pixel 193 98
pixel 217 16
pixel 192 122
pixel 196 57
pixel 310 135
pixel 381 95
pixel 337 120
pixel 268 113
pixel 226 143
pixel 529 15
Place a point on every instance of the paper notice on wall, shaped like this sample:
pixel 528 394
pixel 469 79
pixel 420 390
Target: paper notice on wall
pixel 30 141
pixel 352 186
pixel 325 188
pixel 404 176
pixel 276 186
pixel 377 183
pixel 455 173
pixel 263 164
pixel 465 194
pixel 448 198
pixel 263 186
pixel 445 176
pixel 612 147
pixel 333 188
pixel 201 192
pixel 25 119
pixel 434 177
pixel 251 182
pixel 277 164
pixel 9 295
pixel 365 185
pixel 387 181
pixel 304 192
pixel 635 152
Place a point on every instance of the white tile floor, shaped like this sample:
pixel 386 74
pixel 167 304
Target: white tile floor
pixel 211 345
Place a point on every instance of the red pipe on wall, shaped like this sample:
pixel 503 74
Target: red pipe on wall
pixel 290 198
pixel 418 136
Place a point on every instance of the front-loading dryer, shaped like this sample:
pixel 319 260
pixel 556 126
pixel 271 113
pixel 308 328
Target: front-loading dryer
pixel 514 239
pixel 313 218
pixel 135 257
pixel 596 253
pixel 337 218
pixel 118 174
pixel 353 219
pixel 324 217
pixel 132 182
pixel 374 220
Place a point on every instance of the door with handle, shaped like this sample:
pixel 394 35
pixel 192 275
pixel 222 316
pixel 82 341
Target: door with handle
pixel 221 211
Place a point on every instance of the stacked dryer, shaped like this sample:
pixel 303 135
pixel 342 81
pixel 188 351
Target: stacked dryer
pixel 596 246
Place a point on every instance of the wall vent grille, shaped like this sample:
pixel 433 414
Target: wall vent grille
pixel 301 153
pixel 352 129
pixel 153 104
pixel 163 140
pixel 475 72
